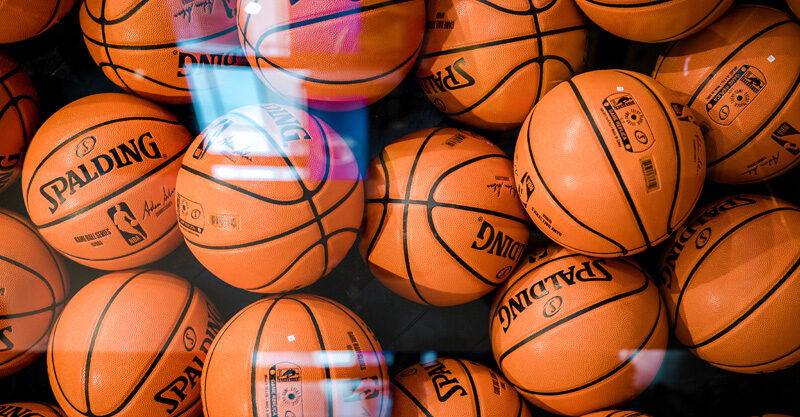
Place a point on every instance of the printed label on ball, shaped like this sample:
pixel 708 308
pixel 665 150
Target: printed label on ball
pixel 127 224
pixel 156 208
pixel 285 390
pixel 440 21
pixel 650 174
pixel 788 138
pixel 6 344
pixel 225 221
pixel 94 238
pixel 7 165
pixel 190 215
pixel 192 8
pixel 762 163
pixel 190 62
pixel 525 188
pixel 736 91
pixel 453 77
pixel 628 124
pixel 494 241
pixel 445 384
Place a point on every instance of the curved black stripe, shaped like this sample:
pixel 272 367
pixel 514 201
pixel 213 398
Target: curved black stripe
pixel 51 18
pixel 117 192
pixel 56 411
pixel 472 384
pixel 52 366
pixel 409 183
pixel 520 407
pixel 533 10
pixel 611 162
pixel 540 54
pixel 83 132
pixel 108 52
pixel 413 399
pixel 50 308
pixel 536 35
pixel 752 309
pixel 179 44
pixel 553 197
pixel 105 22
pixel 323 350
pixel 153 242
pixel 374 239
pixel 758 131
pixel 322 241
pixel 729 57
pixel 791 352
pixel 256 350
pixel 700 22
pixel 432 226
pixel 61 273
pixel 116 68
pixel 279 235
pixel 711 249
pixel 675 141
pixel 370 338
pixel 14 103
pixel 42 336
pixel 10 74
pixel 434 204
pixel 618 368
pixel 627 6
pixel 240 190
pixel 578 313
pixel 511 284
pixel 541 60
pixel 35 274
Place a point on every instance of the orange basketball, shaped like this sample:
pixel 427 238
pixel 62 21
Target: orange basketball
pixel 295 355
pixel 26 19
pixel 731 283
pixel 486 63
pixel 590 333
pixel 609 164
pixel 653 20
pixel 454 388
pixel 19 117
pixel 616 413
pixel 30 410
pixel 132 344
pixel 443 222
pixel 741 76
pixel 33 287
pixel 99 178
pixel 336 55
pixel 157 49
pixel 269 198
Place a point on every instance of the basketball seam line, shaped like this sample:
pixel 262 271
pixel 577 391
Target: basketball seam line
pixel 627 6
pixel 576 314
pixel 540 52
pixel 434 204
pixel 240 190
pixel 413 399
pixel 282 234
pixel 758 131
pixel 677 148
pixel 256 349
pixel 612 163
pixel 153 242
pixel 700 22
pixel 50 407
pixel 553 197
pixel 729 57
pixel 87 130
pixel 369 336
pixel 51 19
pixel 36 274
pixel 385 211
pixel 472 384
pixel 708 252
pixel 3 78
pixel 758 364
pixel 541 60
pixel 431 225
pixel 752 309
pixel 322 241
pixel 117 67
pixel 105 22
pixel 117 192
pixel 178 44
pixel 14 102
pixel 108 53
pixel 323 350
pixel 52 307
pixel 538 35
pixel 511 285
pixel 409 183
pixel 530 12
pixel 619 367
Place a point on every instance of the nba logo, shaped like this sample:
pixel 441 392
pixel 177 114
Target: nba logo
pixel 126 223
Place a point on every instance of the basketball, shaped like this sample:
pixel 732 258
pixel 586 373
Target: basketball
pixel 486 64
pixel 33 288
pixel 269 198
pixel 443 222
pixel 161 50
pixel 334 55
pixel 19 117
pixel 454 388
pixel 30 410
pixel 741 77
pixel 25 20
pixel 132 344
pixel 295 355
pixel 609 164
pixel 99 180
pixel 653 21
pixel 616 413
pixel 795 6
pixel 730 280
pixel 592 332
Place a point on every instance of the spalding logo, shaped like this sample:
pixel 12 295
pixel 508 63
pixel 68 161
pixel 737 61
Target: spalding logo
pixel 444 384
pixel 17 411
pixel 456 77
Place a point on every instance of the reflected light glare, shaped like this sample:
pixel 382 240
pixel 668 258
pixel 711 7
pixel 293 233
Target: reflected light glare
pixel 686 65
pixel 256 173
pixel 334 358
pixel 771 58
pixel 252 8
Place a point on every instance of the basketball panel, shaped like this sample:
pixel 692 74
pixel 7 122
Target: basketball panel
pixel 23 340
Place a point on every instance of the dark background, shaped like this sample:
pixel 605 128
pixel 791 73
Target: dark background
pixel 63 71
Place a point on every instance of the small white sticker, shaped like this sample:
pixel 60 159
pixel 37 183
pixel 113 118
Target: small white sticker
pixel 291 336
pixel 771 58
pixel 620 88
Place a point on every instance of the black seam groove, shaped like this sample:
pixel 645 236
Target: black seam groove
pixel 537 35
pixel 385 206
pixel 323 350
pixel 472 385
pixel 256 350
pixel 413 399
